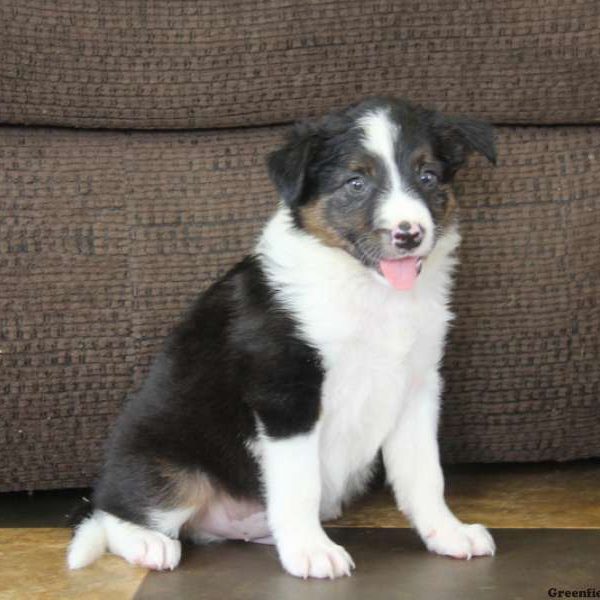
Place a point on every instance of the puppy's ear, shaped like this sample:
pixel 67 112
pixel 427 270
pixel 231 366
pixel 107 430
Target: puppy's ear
pixel 287 166
pixel 457 137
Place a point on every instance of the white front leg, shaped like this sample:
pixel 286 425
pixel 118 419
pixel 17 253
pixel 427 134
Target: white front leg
pixel 291 471
pixel 412 463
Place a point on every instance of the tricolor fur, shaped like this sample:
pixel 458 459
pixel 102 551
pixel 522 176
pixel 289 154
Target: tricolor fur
pixel 267 408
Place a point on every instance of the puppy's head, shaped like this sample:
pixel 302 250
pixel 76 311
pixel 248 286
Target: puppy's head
pixel 375 180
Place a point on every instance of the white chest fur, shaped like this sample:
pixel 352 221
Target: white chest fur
pixel 375 342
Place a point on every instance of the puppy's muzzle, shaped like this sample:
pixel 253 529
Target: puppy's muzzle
pixel 408 236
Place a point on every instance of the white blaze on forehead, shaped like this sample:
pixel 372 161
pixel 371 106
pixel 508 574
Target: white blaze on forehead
pixel 381 137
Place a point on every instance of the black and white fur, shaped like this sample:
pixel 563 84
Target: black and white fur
pixel 272 398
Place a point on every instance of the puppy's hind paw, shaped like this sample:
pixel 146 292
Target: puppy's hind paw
pixel 155 551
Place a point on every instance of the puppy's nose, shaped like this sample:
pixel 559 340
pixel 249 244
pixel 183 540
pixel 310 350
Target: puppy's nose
pixel 408 235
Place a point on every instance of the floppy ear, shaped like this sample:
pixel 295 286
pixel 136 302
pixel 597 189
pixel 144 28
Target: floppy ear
pixel 457 137
pixel 287 166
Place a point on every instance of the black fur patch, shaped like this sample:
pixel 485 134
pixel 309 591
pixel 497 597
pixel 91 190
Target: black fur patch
pixel 236 352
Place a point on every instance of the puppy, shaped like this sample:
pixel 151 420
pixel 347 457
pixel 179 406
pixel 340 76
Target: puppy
pixel 267 408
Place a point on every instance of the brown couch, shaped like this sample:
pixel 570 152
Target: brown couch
pixel 132 175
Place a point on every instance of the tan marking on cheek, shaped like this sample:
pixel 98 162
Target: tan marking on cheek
pixel 315 222
pixel 447 212
pixel 450 208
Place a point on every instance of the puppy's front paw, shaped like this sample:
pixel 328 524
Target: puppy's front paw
pixel 315 558
pixel 460 541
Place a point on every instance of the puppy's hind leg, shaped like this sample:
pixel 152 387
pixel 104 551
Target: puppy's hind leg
pixel 155 544
pixel 140 519
pixel 155 548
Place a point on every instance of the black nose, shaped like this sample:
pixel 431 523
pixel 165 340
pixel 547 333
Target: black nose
pixel 408 236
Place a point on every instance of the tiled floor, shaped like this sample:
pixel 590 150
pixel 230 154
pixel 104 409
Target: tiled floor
pixel 392 565
pixel 549 497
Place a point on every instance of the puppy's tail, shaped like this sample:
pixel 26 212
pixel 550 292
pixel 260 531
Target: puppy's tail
pixel 88 544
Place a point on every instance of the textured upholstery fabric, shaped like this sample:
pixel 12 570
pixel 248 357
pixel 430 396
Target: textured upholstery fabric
pixel 223 63
pixel 106 233
pixel 105 236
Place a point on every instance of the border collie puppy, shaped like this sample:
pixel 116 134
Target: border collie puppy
pixel 266 410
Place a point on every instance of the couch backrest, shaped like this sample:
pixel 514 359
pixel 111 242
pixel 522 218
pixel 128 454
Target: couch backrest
pixel 224 63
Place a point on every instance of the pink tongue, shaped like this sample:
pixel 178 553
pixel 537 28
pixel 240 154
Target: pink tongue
pixel 402 273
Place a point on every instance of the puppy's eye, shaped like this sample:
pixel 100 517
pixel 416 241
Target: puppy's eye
pixel 357 184
pixel 429 179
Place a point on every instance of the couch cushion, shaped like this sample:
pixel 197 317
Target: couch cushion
pixel 181 64
pixel 105 237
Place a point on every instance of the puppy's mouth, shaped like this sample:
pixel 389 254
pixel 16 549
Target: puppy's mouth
pixel 400 270
pixel 401 273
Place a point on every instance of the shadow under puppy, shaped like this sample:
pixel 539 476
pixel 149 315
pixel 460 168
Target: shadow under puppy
pixel 266 410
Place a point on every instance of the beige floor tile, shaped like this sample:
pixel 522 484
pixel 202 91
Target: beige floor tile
pixel 503 496
pixel 32 567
